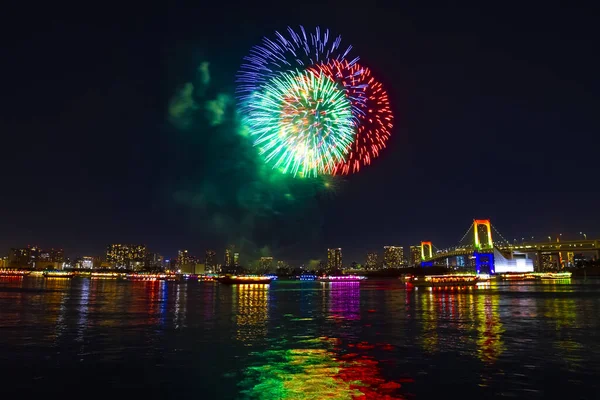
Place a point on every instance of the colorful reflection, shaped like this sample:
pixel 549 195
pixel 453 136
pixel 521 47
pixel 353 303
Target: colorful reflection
pixel 344 299
pixel 490 344
pixel 251 310
pixel 316 373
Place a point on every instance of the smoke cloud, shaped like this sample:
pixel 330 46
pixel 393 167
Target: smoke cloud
pixel 225 186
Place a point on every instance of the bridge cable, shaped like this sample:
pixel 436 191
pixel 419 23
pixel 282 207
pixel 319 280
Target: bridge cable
pixel 466 233
pixel 499 234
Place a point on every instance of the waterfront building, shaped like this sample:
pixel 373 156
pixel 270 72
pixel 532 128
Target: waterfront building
pixel 265 264
pixel 371 262
pixel 126 255
pixel 23 257
pixel 334 258
pixel 210 260
pixel 415 256
pixel 236 259
pixel 393 256
pixel 228 257
pixel 154 261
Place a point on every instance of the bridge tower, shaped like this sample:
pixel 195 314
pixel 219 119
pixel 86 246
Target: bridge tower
pixel 483 252
pixel 426 253
pixel 488 226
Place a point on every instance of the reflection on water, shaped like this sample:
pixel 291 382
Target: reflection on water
pixel 316 373
pixel 343 299
pixel 275 341
pixel 251 311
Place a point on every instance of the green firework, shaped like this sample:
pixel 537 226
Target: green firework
pixel 302 122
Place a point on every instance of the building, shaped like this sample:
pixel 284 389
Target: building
pixel 3 262
pixel 371 262
pixel 334 258
pixel 393 256
pixel 228 257
pixel 130 256
pixel 52 255
pixel 154 261
pixel 265 264
pixel 236 259
pixel 87 262
pixel 415 256
pixel 546 262
pixel 210 260
pixel 183 257
pixel 23 257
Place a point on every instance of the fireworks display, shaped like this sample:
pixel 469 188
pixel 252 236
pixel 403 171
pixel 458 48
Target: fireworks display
pixel 309 108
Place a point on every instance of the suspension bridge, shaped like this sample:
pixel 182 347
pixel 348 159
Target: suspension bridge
pixel 478 249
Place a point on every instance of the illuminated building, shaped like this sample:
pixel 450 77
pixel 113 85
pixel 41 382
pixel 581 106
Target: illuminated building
pixel 87 262
pixel 23 257
pixel 393 256
pixel 228 257
pixel 210 260
pixel 265 264
pixel 236 259
pixel 183 257
pixel 126 255
pixel 154 261
pixel 570 259
pixel 3 262
pixel 546 262
pixel 371 262
pixel 52 255
pixel 415 255
pixel 334 258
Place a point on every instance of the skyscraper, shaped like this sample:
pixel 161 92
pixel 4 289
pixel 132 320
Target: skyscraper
pixel 228 257
pixel 236 259
pixel 210 260
pixel 126 255
pixel 183 257
pixel 265 264
pixel 334 258
pixel 415 255
pixel 371 262
pixel 393 256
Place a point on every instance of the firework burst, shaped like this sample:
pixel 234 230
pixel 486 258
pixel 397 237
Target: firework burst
pixel 302 122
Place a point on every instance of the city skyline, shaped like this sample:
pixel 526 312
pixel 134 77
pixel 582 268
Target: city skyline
pixel 479 101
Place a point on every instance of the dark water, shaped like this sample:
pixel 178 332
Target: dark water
pixel 298 340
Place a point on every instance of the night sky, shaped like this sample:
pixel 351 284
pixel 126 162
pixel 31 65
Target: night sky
pixel 496 117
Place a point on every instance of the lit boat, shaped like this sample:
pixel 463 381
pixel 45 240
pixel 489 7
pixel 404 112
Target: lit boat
pixel 13 272
pixel 235 279
pixel 341 278
pixel 150 277
pixel 105 275
pixel 511 276
pixel 554 275
pixel 444 280
pixel 58 274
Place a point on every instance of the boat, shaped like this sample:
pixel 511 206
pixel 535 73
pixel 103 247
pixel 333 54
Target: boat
pixel 58 274
pixel 106 275
pixel 554 275
pixel 512 276
pixel 13 272
pixel 243 279
pixel 151 277
pixel 444 280
pixel 341 278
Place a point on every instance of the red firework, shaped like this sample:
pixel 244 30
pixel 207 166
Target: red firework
pixel 371 108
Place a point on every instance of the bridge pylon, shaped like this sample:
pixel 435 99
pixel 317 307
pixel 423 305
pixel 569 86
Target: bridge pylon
pixel 477 240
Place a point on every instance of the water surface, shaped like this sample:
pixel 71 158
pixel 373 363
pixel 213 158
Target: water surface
pixel 298 340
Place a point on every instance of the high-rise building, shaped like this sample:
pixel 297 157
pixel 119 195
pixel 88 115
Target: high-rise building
pixel 393 256
pixel 334 258
pixel 371 262
pixel 154 261
pixel 210 260
pixel 87 262
pixel 265 264
pixel 228 257
pixel 52 255
pixel 415 255
pixel 183 257
pixel 126 255
pixel 23 257
pixel 236 259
